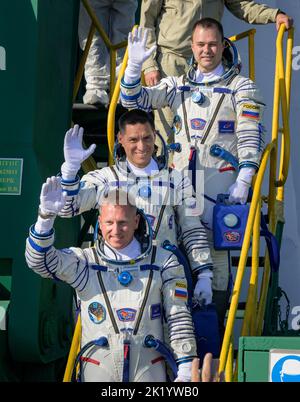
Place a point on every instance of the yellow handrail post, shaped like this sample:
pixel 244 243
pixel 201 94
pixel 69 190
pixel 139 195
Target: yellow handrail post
pixel 250 34
pixel 285 154
pixel 73 351
pixel 80 70
pixel 112 108
pixel 250 311
pixel 251 55
pixel 113 65
pixel 243 258
pixel 229 363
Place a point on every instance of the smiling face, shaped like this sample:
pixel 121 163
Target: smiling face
pixel 207 47
pixel 138 142
pixel 118 224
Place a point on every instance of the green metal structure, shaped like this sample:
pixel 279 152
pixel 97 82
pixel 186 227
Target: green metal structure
pixel 40 41
pixel 254 351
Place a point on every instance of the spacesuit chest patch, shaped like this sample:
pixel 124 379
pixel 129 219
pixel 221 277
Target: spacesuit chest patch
pixel 126 314
pixel 177 124
pixel 226 126
pixel 155 311
pixel 96 312
pixel 198 124
pixel 180 290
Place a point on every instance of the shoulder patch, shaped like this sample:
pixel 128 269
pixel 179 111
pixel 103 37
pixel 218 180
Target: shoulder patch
pixel 251 111
pixel 180 291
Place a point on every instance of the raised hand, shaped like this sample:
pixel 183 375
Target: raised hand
pixel 137 50
pixel 74 152
pixel 52 198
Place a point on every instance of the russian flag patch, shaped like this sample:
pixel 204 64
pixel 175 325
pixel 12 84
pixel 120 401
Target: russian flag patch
pixel 251 111
pixel 181 290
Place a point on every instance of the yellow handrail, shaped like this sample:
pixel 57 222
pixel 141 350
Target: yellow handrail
pixel 73 351
pixel 112 112
pixel 90 164
pixel 254 313
pixel 250 34
pixel 284 82
pixel 243 257
pixel 112 108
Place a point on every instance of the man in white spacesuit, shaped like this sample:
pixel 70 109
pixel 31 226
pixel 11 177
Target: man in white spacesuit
pixel 165 195
pixel 117 19
pixel 124 285
pixel 218 116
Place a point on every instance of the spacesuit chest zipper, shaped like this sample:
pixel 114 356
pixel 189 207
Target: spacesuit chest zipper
pixel 212 120
pixel 161 212
pixel 187 132
pixel 108 305
pixel 141 312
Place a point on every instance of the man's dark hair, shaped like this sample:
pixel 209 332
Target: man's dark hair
pixel 133 117
pixel 208 23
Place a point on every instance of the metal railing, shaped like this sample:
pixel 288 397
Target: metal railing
pixel 251 58
pixel 255 310
pixel 90 164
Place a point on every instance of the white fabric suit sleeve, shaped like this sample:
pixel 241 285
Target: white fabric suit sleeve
pixel 193 234
pixel 250 132
pixel 180 324
pixel 68 265
pixel 83 195
pixel 134 96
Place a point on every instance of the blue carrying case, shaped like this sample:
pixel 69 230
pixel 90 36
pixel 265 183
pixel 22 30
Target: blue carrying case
pixel 229 224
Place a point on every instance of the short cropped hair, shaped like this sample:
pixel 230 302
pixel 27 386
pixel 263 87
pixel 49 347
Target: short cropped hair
pixel 209 23
pixel 135 116
pixel 117 196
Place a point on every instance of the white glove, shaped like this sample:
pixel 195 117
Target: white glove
pixel 74 153
pixel 184 372
pixel 238 191
pixel 52 200
pixel 137 54
pixel 203 289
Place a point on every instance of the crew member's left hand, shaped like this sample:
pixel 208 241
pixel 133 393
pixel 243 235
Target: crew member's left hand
pixel 238 191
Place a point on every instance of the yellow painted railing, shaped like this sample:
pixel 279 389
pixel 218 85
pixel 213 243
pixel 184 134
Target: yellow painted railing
pixel 250 35
pixel 75 346
pixel 113 104
pixel 255 310
pixel 90 164
pixel 112 109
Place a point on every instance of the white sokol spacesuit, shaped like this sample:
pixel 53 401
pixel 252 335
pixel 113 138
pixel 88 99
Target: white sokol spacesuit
pixel 167 198
pixel 117 19
pixel 226 112
pixel 121 302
